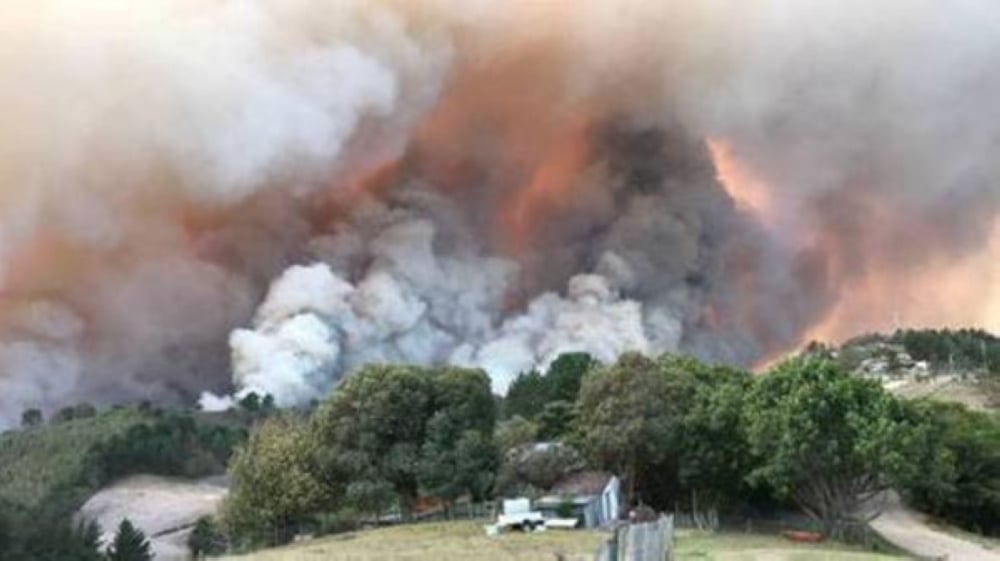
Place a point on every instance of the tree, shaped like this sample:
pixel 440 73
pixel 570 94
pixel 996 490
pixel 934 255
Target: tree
pixel 526 396
pixel 959 478
pixel 624 419
pixel 515 432
pixel 451 467
pixel 372 428
pixel 130 544
pixel 31 418
pixel 458 454
pixel 830 441
pixel 565 375
pixel 64 415
pixel 714 457
pixel 531 392
pixel 556 419
pixel 275 483
pixel 206 538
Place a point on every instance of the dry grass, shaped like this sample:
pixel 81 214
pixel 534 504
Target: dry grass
pixel 944 389
pixel 464 541
pixel 454 541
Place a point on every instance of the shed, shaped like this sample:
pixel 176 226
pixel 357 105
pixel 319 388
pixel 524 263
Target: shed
pixel 592 497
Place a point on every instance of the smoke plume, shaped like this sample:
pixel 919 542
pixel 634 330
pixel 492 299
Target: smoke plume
pixel 234 196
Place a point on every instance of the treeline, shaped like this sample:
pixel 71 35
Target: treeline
pixel 172 443
pixel 967 350
pixel 677 431
pixel 386 437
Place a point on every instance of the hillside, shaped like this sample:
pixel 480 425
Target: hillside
pixel 956 366
pixel 72 458
pixel 36 462
pixel 165 509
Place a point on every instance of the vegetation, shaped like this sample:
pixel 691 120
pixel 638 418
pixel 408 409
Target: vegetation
pixel 47 471
pixel 275 483
pixel 961 349
pixel 625 419
pixel 972 354
pixel 828 440
pixel 646 419
pixel 808 435
pixel 961 482
pixel 46 535
pixel 531 392
pixel 130 544
pixel 207 538
pixel 59 458
pixel 387 436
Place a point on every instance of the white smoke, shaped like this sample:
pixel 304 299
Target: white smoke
pixel 313 327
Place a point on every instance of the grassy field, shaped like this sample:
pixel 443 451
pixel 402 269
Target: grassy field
pixel 947 390
pixel 36 461
pixel 454 541
pixel 466 540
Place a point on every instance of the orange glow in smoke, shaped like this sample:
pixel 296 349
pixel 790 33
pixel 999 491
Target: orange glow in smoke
pixel 550 184
pixel 745 187
pixel 943 294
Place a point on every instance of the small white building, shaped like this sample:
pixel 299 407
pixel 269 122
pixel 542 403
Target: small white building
pixel 594 498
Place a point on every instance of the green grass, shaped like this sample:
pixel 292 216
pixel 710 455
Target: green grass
pixel 35 462
pixel 693 546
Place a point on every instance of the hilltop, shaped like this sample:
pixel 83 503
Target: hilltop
pixel 957 366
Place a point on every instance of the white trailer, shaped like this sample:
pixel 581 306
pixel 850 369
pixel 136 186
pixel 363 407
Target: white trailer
pixel 517 515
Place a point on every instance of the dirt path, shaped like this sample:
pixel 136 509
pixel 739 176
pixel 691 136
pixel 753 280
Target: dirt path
pixel 907 530
pixel 164 509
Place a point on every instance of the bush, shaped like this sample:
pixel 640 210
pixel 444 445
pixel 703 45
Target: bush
pixel 31 418
pixel 207 538
pixel 965 461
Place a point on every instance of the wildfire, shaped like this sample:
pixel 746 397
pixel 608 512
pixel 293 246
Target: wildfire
pixel 741 182
pixel 550 184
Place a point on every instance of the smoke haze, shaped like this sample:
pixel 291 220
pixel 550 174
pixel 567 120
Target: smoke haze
pixel 223 195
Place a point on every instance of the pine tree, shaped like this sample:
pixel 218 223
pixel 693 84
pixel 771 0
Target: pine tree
pixel 130 544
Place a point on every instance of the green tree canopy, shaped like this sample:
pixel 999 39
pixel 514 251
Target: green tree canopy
pixel 959 478
pixel 624 419
pixel 275 482
pixel 458 455
pixel 714 456
pixel 828 440
pixel 526 396
pixel 530 392
pixel 206 538
pixel 515 432
pixel 565 375
pixel 372 428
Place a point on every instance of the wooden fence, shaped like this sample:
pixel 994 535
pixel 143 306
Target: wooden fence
pixel 650 541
